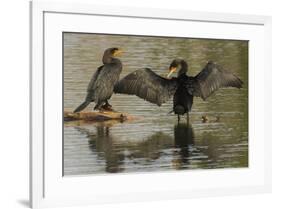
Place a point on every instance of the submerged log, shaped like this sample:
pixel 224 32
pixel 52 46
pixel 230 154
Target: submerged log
pixel 96 116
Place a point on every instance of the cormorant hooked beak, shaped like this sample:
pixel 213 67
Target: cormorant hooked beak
pixel 171 71
pixel 117 52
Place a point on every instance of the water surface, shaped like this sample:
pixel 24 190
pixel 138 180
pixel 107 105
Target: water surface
pixel 155 142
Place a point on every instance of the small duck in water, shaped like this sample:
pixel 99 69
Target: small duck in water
pixel 205 119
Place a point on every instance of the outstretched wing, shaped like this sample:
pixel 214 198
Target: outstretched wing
pixel 147 85
pixel 211 78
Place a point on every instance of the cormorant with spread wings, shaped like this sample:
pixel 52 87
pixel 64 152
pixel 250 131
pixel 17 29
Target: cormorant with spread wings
pixel 151 87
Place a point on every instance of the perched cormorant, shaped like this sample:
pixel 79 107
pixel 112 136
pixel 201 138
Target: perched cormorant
pixel 102 83
pixel 151 87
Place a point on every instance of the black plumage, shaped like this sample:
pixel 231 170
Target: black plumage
pixel 100 88
pixel 156 89
pixel 147 85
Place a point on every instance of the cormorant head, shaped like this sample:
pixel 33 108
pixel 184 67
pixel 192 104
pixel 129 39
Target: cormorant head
pixel 178 65
pixel 111 53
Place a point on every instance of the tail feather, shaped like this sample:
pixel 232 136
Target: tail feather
pixel 82 106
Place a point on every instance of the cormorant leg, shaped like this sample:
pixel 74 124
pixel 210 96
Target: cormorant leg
pixel 96 107
pixel 179 118
pixel 187 117
pixel 107 104
pixel 99 107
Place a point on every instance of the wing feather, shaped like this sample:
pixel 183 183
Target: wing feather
pixel 211 78
pixel 102 83
pixel 91 85
pixel 147 85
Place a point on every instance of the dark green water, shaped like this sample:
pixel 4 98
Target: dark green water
pixel 156 142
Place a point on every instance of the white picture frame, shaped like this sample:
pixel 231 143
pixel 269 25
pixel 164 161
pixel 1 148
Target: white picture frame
pixel 49 188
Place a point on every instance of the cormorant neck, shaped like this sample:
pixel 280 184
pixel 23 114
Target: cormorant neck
pixel 183 68
pixel 109 59
pixel 106 59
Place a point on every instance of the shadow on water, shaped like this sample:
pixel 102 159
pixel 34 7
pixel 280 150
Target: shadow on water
pixel 121 154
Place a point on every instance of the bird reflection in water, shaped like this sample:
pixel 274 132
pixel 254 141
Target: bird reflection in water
pixel 184 139
pixel 101 143
pixel 120 155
